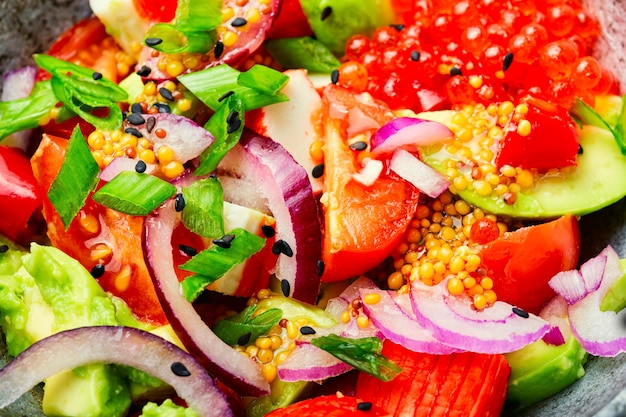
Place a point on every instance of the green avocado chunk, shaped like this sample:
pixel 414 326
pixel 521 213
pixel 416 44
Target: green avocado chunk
pixel 596 182
pixel 335 21
pixel 615 298
pixel 539 371
pixel 282 394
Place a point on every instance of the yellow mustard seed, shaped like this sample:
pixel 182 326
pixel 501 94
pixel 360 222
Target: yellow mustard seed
pixel 523 128
pixel 455 286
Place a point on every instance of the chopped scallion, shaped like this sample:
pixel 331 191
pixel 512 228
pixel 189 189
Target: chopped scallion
pixel 204 207
pixel 29 112
pixel 212 263
pixel 245 325
pixel 225 139
pixel 77 177
pixel 584 114
pixel 133 193
pixel 363 354
pixel 264 79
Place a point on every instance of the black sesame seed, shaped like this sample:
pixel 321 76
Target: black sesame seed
pixel 326 13
pixel 218 49
pixel 364 406
pixel 318 171
pixel 358 146
pixel 233 126
pixel 135 119
pixel 140 166
pixel 320 268
pixel 97 271
pixel 520 312
pixel 508 60
pixel 334 76
pixel 188 250
pixel 280 246
pixel 4 248
pixel 179 369
pixel 454 71
pixel 136 108
pixel 225 95
pixel 307 330
pixel 224 241
pixel 244 339
pixel 96 76
pixel 166 94
pixel 580 149
pixel 398 27
pixel 163 107
pixel 154 41
pixel 238 22
pixel 268 231
pixel 285 287
pixel 144 71
pixel 179 202
pixel 415 56
pixel 234 114
pixel 150 123
pixel 133 132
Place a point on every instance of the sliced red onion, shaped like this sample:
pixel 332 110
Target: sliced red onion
pixel 120 164
pixel 555 313
pixel 372 168
pixel 409 133
pixel 285 185
pixel 184 136
pixel 592 272
pixel 574 285
pixel 310 363
pixel 453 321
pixel 421 175
pixel 601 333
pixel 241 374
pixel 114 344
pixel 18 84
pixel 394 317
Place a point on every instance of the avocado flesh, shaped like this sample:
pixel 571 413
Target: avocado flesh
pixel 597 181
pixel 615 298
pixel 282 394
pixel 539 371
pixel 335 21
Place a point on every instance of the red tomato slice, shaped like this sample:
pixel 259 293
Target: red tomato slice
pixel 362 224
pixel 330 406
pixel 87 44
pixel 522 262
pixel 551 143
pixel 100 235
pixel 20 195
pixel 461 384
pixel 290 22
pixel 157 10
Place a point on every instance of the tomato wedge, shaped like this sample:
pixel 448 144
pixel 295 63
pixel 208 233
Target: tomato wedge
pixel 290 22
pixel 523 261
pixel 100 235
pixel 157 10
pixel 362 224
pixel 20 195
pixel 460 384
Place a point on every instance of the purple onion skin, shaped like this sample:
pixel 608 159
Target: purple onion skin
pixel 300 224
pixel 114 344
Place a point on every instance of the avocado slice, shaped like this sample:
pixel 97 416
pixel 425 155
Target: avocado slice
pixel 596 182
pixel 615 298
pixel 282 394
pixel 335 21
pixel 539 371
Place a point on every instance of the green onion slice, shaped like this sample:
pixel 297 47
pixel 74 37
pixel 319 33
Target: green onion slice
pixel 210 84
pixel 224 141
pixel 134 193
pixel 263 79
pixel 584 114
pixel 29 112
pixel 204 209
pixel 212 263
pixel 245 327
pixel 77 177
pixel 363 354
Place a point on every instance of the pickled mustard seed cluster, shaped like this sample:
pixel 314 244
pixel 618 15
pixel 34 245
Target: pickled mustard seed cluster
pixel 441 243
pixel 480 52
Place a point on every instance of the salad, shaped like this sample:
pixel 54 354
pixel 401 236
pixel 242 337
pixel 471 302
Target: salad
pixel 268 207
